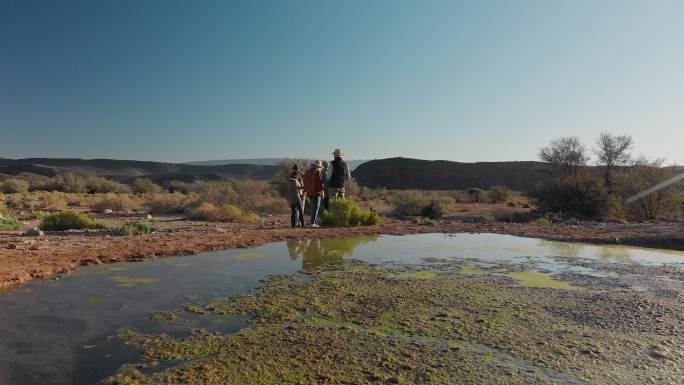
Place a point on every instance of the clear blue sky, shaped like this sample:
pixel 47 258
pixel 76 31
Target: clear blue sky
pixel 460 80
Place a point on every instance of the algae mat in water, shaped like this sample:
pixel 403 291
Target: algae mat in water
pixel 351 323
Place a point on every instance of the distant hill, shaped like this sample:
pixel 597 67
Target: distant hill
pixel 125 170
pixel 406 173
pixel 261 161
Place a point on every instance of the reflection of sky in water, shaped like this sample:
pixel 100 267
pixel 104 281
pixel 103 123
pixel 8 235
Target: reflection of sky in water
pixel 61 332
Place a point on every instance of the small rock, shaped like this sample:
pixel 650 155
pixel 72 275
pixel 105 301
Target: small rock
pixel 108 211
pixel 149 216
pixel 34 247
pixel 34 232
pixel 12 246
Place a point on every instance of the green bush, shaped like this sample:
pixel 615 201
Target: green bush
pixel 39 214
pixel 136 228
pixel 70 220
pixel 345 212
pixel 9 222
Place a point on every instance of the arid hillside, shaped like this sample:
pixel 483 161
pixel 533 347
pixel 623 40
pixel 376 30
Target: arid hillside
pixel 124 170
pixel 406 173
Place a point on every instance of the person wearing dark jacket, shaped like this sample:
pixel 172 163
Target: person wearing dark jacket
pixel 314 189
pixel 340 175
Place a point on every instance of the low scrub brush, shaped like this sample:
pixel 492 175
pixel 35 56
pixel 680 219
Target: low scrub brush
pixel 136 228
pixel 71 220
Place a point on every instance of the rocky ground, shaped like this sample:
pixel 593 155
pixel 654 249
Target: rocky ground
pixel 23 258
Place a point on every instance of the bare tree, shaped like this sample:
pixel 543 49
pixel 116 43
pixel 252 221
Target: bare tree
pixel 567 154
pixel 612 151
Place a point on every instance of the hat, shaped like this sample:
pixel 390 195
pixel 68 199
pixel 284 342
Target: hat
pixel 317 163
pixel 337 152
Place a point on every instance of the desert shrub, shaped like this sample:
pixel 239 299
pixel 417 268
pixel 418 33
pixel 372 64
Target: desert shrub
pixel 352 188
pixel 249 217
pixel 168 203
pixel 218 193
pixel 581 194
pixel 19 201
pixel 178 186
pixel 433 210
pixel 499 194
pixel 249 193
pixel 115 202
pixel 476 195
pixel 53 201
pixel 209 212
pixel 14 185
pixel 345 212
pixel 97 184
pixel 70 220
pixel 68 182
pixel 145 186
pixel 136 228
pixel 9 222
pixel 409 203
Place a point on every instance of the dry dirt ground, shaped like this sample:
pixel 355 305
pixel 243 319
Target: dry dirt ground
pixel 24 258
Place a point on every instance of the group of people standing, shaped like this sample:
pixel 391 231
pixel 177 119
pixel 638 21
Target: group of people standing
pixel 321 182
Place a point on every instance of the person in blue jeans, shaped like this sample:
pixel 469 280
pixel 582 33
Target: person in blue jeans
pixel 314 189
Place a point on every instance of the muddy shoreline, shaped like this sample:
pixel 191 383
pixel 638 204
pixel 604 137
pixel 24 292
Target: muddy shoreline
pixel 23 258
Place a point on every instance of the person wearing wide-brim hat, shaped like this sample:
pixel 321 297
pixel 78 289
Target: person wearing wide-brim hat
pixel 340 175
pixel 314 188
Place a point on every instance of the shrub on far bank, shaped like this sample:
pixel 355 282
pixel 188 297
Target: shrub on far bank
pixel 136 228
pixel 416 204
pixel 9 222
pixel 345 212
pixel 581 194
pixel 209 212
pixel 70 220
pixel 498 194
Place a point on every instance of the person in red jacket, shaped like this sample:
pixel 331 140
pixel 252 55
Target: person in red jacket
pixel 314 189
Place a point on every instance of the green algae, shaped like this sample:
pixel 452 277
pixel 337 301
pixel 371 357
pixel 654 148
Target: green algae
pixel 126 281
pixel 420 274
pixel 353 323
pixel 471 270
pixel 96 299
pixel 117 268
pixel 537 279
pixel 250 255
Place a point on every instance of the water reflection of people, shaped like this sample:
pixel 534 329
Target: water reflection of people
pixel 315 252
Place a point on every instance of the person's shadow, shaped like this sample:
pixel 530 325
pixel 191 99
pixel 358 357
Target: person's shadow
pixel 315 252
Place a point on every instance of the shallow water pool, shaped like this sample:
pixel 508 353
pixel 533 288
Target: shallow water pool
pixel 65 331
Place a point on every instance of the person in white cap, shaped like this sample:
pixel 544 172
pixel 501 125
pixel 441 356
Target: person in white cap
pixel 340 175
pixel 314 189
